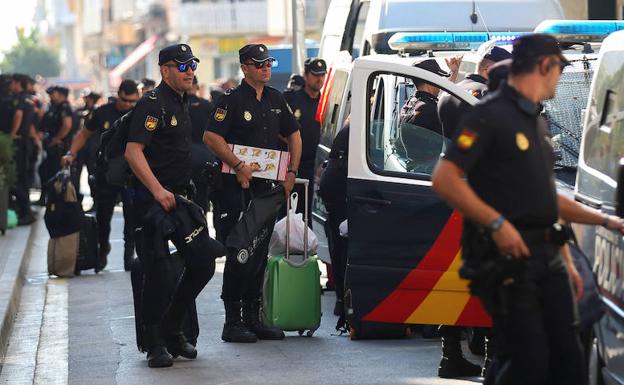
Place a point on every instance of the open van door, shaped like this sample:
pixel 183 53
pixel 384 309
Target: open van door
pixel 404 242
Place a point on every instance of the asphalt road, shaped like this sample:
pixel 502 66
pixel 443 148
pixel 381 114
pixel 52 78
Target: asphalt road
pixel 81 331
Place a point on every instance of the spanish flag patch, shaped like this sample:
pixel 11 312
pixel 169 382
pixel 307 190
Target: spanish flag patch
pixel 466 139
pixel 151 123
pixel 219 114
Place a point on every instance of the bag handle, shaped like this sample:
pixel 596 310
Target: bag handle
pixel 305 183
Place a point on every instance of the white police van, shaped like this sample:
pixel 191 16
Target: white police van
pixel 600 184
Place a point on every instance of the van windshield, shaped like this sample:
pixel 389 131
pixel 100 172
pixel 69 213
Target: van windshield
pixel 564 112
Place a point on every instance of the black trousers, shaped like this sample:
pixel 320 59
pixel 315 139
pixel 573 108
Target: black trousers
pixel 241 281
pixel 337 213
pixel 535 325
pixel 197 273
pixel 23 149
pixel 108 196
pixel 52 163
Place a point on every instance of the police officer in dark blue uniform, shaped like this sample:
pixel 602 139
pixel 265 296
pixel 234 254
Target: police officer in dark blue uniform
pixel 88 154
pixel 56 125
pixel 450 108
pixel 106 194
pixel 304 103
pixel 252 114
pixel 21 126
pixel 200 110
pixel 159 153
pixel 511 238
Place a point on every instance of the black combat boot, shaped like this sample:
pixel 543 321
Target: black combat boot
pixel 251 317
pixel 128 256
pixel 234 329
pixel 177 344
pixel 157 354
pixel 453 363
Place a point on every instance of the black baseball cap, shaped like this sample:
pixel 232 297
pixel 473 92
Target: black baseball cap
pixel 59 89
pixel 180 53
pixel 256 52
pixel 315 66
pixel 432 66
pixel 497 54
pixel 532 46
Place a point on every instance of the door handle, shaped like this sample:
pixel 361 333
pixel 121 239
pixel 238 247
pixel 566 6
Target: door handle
pixel 372 201
pixel 591 202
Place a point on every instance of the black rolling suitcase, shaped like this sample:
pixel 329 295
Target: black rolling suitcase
pixel 88 251
pixel 191 323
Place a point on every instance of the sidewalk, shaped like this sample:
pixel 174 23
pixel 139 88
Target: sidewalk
pixel 15 250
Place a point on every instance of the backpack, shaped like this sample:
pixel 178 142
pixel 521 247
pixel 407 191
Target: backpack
pixel 111 161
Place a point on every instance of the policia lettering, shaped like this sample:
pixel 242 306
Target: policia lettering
pixel 254 115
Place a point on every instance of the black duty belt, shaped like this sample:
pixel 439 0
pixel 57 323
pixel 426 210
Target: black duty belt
pixel 555 234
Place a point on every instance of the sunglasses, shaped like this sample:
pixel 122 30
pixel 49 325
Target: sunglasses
pixel 183 67
pixel 267 63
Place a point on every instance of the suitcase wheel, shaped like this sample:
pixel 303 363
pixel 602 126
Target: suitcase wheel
pixel 310 333
pixel 301 332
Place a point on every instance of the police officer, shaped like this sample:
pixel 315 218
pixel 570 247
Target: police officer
pixel 158 152
pixel 6 103
pixel 511 241
pixel 88 154
pixel 200 110
pixel 107 195
pixel 450 108
pixel 146 85
pixel 421 110
pixel 304 103
pixel 295 83
pixel 56 126
pixel 252 114
pixel 21 126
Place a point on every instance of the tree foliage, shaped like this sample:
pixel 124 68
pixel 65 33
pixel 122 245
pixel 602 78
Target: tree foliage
pixel 28 56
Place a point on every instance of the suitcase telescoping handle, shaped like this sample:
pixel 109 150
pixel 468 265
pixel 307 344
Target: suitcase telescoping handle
pixel 305 184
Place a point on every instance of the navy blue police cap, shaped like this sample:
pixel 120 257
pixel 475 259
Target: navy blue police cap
pixel 180 53
pixel 497 54
pixel 315 66
pixel 256 52
pixel 432 65
pixel 532 46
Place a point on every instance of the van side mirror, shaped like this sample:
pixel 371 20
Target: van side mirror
pixel 619 192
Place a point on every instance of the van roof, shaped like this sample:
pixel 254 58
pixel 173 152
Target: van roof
pixel 454 15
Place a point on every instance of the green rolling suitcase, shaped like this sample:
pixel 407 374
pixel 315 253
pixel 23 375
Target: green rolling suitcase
pixel 291 298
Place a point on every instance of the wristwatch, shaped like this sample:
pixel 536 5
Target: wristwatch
pixel 496 224
pixel 292 171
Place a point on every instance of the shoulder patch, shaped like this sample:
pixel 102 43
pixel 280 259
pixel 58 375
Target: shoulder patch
pixel 466 139
pixel 219 114
pixel 151 123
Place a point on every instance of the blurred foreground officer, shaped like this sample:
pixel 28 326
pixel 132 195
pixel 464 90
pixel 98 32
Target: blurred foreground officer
pixel 304 103
pixel 56 126
pixel 254 115
pixel 106 194
pixel 511 238
pixel 450 108
pixel 158 152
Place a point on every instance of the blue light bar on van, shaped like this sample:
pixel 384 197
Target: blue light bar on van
pixel 580 31
pixel 438 41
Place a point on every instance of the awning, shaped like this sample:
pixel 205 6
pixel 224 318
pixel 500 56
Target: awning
pixel 114 77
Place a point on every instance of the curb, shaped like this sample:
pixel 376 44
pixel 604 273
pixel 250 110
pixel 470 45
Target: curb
pixel 11 284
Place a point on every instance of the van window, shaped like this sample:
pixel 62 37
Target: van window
pixel 604 139
pixel 330 124
pixel 398 148
pixel 358 34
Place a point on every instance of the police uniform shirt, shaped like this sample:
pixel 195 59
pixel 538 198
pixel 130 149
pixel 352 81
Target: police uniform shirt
pixel 422 111
pixel 103 118
pixel 84 114
pixel 304 110
pixel 200 110
pixel 53 119
pixel 167 138
pixel 241 119
pixel 451 109
pixel 504 147
pixel 23 103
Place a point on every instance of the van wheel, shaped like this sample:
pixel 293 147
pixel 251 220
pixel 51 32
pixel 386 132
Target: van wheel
pixel 595 364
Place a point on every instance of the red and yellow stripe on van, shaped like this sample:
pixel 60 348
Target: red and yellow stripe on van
pixel 433 293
